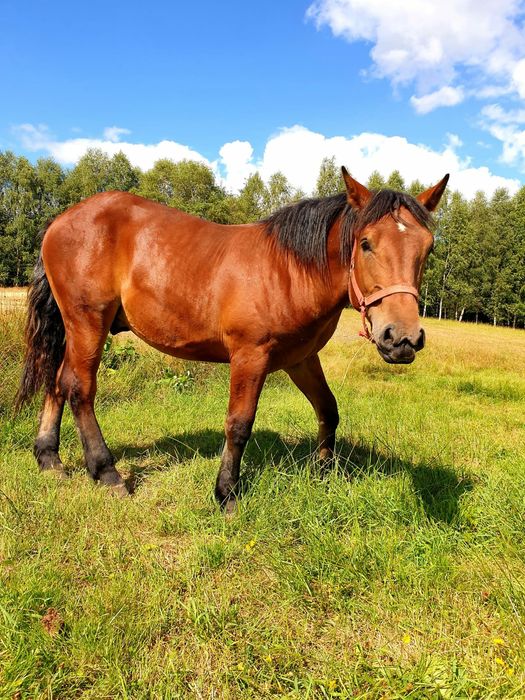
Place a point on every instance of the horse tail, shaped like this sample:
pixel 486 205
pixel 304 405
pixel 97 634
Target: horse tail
pixel 44 337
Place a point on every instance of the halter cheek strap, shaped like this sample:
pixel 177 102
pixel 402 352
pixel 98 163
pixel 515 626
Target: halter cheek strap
pixel 361 303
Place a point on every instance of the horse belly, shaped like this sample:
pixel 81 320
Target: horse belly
pixel 204 351
pixel 179 334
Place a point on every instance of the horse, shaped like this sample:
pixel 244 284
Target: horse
pixel 262 297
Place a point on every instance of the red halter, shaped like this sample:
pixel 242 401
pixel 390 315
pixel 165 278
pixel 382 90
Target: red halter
pixel 361 302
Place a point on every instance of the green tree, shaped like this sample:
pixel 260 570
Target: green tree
pixel 329 180
pixel 516 259
pixel 121 175
pixel 396 182
pixel 376 182
pixel 252 198
pixel 447 285
pixel 459 291
pixel 29 196
pixel 416 188
pixel 89 176
pixel 279 193
pixel 499 243
pixel 187 185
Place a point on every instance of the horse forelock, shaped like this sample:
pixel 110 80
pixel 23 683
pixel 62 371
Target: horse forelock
pixel 387 202
pixel 303 227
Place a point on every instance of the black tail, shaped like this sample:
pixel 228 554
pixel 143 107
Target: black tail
pixel 44 337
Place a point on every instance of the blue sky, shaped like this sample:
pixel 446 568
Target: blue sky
pixel 272 85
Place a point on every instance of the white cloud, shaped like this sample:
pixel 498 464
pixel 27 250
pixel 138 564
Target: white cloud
pixel 429 43
pixel 34 138
pixel 68 152
pixel 113 133
pixel 495 113
pixel 297 152
pixel 518 78
pixel 236 158
pixel 444 97
pixel 507 127
pixel 454 141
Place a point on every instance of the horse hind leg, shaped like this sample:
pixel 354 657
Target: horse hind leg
pixel 48 438
pixel 78 383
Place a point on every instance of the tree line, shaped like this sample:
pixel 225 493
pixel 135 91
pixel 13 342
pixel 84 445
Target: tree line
pixel 476 272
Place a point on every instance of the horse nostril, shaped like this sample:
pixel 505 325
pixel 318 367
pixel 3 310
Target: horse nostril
pixel 387 335
pixel 420 341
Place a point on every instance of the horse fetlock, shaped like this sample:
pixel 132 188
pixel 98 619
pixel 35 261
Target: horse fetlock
pixel 330 420
pixel 101 466
pixel 225 487
pixel 47 456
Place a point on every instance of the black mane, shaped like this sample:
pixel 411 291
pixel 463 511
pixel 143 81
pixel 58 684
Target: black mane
pixel 303 227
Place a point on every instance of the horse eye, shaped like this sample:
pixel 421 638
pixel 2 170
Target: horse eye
pixel 365 245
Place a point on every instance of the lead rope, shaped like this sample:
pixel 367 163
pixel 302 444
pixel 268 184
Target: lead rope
pixel 364 332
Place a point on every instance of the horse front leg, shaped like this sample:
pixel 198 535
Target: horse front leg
pixel 308 376
pixel 248 372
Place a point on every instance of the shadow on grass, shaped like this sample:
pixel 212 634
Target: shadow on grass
pixel 437 486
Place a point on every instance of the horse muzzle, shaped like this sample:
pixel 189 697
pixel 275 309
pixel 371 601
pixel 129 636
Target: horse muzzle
pixel 398 347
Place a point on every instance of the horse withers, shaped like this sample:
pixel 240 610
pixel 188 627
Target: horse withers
pixel 262 296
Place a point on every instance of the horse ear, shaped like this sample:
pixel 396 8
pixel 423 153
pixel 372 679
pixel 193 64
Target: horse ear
pixel 430 198
pixel 357 194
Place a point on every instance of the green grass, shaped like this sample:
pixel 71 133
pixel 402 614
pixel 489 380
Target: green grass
pixel 399 574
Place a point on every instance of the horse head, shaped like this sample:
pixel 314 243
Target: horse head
pixel 391 243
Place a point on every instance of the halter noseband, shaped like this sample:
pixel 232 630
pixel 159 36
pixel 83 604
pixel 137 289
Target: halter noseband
pixel 364 302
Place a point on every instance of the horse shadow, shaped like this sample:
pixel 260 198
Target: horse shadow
pixel 438 487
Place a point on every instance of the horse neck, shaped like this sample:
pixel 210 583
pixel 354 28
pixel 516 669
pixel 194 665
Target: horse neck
pixel 337 279
pixel 326 288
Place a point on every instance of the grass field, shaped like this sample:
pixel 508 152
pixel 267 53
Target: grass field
pixel 399 574
pixel 12 298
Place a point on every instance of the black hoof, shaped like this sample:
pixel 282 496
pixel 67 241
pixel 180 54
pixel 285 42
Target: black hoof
pixel 56 471
pixel 228 504
pixel 112 479
pixel 49 463
pixel 229 508
pixel 119 490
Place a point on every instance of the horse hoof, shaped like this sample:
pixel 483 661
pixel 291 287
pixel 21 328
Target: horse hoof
pixel 230 508
pixel 119 490
pixel 114 482
pixel 57 471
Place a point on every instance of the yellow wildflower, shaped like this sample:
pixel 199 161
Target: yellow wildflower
pixel 406 639
pixel 498 641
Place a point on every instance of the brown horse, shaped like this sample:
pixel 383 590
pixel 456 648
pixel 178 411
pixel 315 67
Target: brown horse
pixel 263 297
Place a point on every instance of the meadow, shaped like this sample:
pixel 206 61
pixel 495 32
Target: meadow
pixel 398 573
